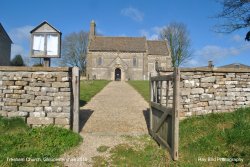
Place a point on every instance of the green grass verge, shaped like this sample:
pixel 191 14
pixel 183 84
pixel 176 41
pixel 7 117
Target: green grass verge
pixel 17 140
pixel 140 151
pixel 142 87
pixel 88 89
pixel 214 136
pixel 224 135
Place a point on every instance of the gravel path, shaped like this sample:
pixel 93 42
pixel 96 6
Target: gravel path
pixel 117 110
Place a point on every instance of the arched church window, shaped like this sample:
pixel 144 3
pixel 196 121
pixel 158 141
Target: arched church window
pixel 134 62
pixel 99 61
pixel 156 65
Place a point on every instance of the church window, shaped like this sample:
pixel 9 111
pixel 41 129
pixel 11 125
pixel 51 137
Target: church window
pixel 99 61
pixel 134 62
pixel 156 65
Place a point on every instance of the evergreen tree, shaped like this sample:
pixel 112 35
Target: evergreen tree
pixel 17 61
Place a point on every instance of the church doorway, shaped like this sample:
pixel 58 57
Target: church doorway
pixel 117 74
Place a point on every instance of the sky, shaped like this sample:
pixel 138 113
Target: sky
pixel 128 18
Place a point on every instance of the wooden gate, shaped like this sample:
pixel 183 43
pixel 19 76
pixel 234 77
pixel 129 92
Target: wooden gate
pixel 164 114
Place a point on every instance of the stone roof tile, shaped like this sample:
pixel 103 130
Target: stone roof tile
pixel 123 44
pixel 157 47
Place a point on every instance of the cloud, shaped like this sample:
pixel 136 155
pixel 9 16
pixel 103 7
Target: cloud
pixel 237 38
pixel 144 33
pixel 152 33
pixel 99 31
pixel 215 53
pixel 148 34
pixel 16 49
pixel 192 63
pixel 21 34
pixel 21 40
pixel 153 37
pixel 157 29
pixel 133 13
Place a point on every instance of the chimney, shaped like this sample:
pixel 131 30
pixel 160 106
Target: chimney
pixel 92 29
pixel 210 64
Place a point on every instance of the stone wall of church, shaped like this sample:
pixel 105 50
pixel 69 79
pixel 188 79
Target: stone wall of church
pixel 103 64
pixel 164 62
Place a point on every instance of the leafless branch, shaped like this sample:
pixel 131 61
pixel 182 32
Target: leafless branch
pixel 235 15
pixel 179 43
pixel 74 49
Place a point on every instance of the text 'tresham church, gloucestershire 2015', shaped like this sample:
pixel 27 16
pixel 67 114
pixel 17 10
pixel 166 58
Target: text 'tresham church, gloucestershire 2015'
pixel 124 58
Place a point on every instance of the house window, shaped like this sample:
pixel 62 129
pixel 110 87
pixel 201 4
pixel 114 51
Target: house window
pixel 134 62
pixel 99 61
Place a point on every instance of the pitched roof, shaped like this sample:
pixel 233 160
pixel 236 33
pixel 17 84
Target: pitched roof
pixel 2 31
pixel 41 24
pixel 157 47
pixel 123 44
pixel 235 65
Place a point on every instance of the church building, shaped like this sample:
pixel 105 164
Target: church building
pixel 124 58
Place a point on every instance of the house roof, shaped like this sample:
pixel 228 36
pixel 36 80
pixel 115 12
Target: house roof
pixel 123 44
pixel 235 65
pixel 157 47
pixel 2 31
pixel 40 25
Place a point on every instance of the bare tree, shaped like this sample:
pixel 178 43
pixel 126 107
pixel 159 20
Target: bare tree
pixel 178 40
pixel 74 50
pixel 235 15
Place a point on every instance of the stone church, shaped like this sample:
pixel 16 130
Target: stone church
pixel 124 58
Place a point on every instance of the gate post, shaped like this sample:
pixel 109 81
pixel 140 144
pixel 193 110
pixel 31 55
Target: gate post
pixel 151 99
pixel 76 97
pixel 175 116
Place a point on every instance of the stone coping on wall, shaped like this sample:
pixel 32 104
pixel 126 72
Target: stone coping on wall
pixel 31 69
pixel 206 69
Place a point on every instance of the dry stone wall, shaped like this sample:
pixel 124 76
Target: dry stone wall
pixel 41 96
pixel 212 90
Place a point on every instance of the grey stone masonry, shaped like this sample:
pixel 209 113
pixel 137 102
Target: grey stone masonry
pixel 41 95
pixel 212 90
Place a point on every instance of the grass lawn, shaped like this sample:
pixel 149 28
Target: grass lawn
pixel 142 87
pixel 88 89
pixel 214 136
pixel 19 141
